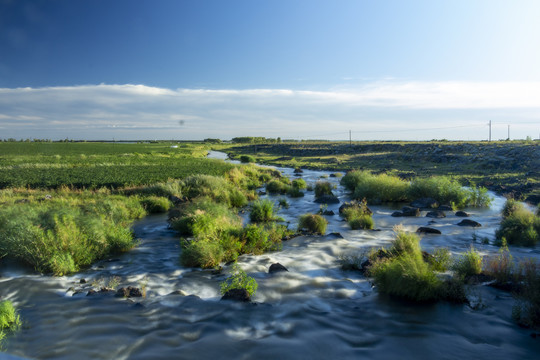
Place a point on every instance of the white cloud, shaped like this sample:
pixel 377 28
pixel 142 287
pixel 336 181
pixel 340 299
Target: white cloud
pixel 385 109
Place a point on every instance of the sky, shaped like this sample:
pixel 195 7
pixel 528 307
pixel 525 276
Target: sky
pixel 295 69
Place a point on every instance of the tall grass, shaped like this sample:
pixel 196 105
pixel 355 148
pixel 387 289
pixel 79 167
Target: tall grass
pixel 468 264
pixel 375 188
pixel 9 319
pixel 312 223
pixel 262 211
pixel 358 216
pixel 519 226
pixel 62 235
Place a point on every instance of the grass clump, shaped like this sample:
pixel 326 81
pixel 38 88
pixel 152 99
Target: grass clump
pixel 299 184
pixel 67 233
pixel 323 188
pixel 9 319
pixel 262 211
pixel 526 311
pixel 277 187
pixel 247 159
pixel 295 192
pixel 312 223
pixel 502 268
pixel 519 226
pixel 215 188
pixel 239 280
pixel 375 188
pixel 358 216
pixel 155 204
pixel 468 264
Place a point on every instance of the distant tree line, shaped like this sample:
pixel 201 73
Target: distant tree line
pixel 255 140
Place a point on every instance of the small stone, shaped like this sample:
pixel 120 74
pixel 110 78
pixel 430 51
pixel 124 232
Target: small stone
pixel 462 214
pixel 471 223
pixel 410 211
pixel 277 267
pixel 237 295
pixel 427 230
pixel 397 214
pixel 437 214
pixel 82 281
pixel 129 292
pixel 327 199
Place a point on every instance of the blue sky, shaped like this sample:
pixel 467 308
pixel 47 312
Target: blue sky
pixel 412 70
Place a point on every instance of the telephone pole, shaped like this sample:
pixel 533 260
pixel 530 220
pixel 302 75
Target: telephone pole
pixel 490 130
pixel 350 138
pixel 508 132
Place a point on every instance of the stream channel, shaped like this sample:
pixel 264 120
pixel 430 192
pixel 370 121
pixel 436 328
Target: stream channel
pixel 313 311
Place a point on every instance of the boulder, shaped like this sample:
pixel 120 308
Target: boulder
pixel 437 214
pixel 468 222
pixel 445 208
pixel 327 199
pixel 397 214
pixel 237 295
pixel 462 214
pixel 277 267
pixel 425 203
pixel 328 213
pixel 427 230
pixel 129 292
pixel 298 171
pixel 410 211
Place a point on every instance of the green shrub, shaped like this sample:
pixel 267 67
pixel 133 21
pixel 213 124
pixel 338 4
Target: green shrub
pixel 277 187
pixel 441 260
pixel 468 264
pixel 478 196
pixel 364 222
pixel 154 204
pixel 239 280
pixel 283 203
pixel 312 223
pixel 262 211
pixel 351 261
pixel 295 192
pixel 406 243
pixel 407 276
pixel 204 252
pixel 510 207
pixel 519 226
pixel 247 159
pixel 9 319
pixel 237 198
pixel 299 184
pixel 323 188
pixel 375 188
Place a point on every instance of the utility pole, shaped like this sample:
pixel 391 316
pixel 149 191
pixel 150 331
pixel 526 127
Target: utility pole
pixel 350 138
pixel 490 130
pixel 508 132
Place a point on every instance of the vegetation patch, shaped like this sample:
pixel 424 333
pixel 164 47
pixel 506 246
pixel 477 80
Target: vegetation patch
pixel 9 319
pixel 262 211
pixel 323 188
pixel 358 215
pixel 239 280
pixel 468 264
pixel 313 223
pixel 519 226
pixel 156 204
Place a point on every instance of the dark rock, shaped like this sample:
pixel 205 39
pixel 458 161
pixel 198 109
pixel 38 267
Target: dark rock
pixel 437 214
pixel 217 271
pixel 129 292
pixel 410 211
pixel 82 281
pixel 397 214
pixel 462 214
pixel 354 203
pixel 425 203
pixel 467 222
pixel 179 292
pixel 427 230
pixel 445 208
pixel 101 291
pixel 327 199
pixel 328 213
pixel 298 171
pixel 334 235
pixel 277 267
pixel 533 199
pixel 237 295
pixel 262 192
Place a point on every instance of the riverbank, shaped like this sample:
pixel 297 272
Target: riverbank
pixel 509 168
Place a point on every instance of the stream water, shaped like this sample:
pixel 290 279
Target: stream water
pixel 314 311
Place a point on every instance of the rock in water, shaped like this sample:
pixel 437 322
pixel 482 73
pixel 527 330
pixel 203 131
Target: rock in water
pixel 467 222
pixel 410 211
pixel 436 214
pixel 427 230
pixel 129 292
pixel 327 199
pixel 237 295
pixel 462 214
pixel 425 203
pixel 277 267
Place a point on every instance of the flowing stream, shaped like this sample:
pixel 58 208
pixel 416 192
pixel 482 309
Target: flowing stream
pixel 314 311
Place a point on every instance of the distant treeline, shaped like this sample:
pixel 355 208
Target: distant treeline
pixel 255 140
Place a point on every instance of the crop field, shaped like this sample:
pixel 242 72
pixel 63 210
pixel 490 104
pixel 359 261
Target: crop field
pixel 94 165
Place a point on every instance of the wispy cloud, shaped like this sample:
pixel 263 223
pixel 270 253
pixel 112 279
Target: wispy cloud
pixel 139 111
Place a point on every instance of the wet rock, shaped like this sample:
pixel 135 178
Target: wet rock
pixel 335 235
pixel 427 230
pixel 82 281
pixel 410 211
pixel 262 193
pixel 328 213
pixel 277 267
pixel 102 291
pixel 298 171
pixel 327 199
pixel 217 271
pixel 397 214
pixel 237 295
pixel 129 292
pixel 437 214
pixel 468 222
pixel 179 292
pixel 425 203
pixel 462 214
pixel 445 208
